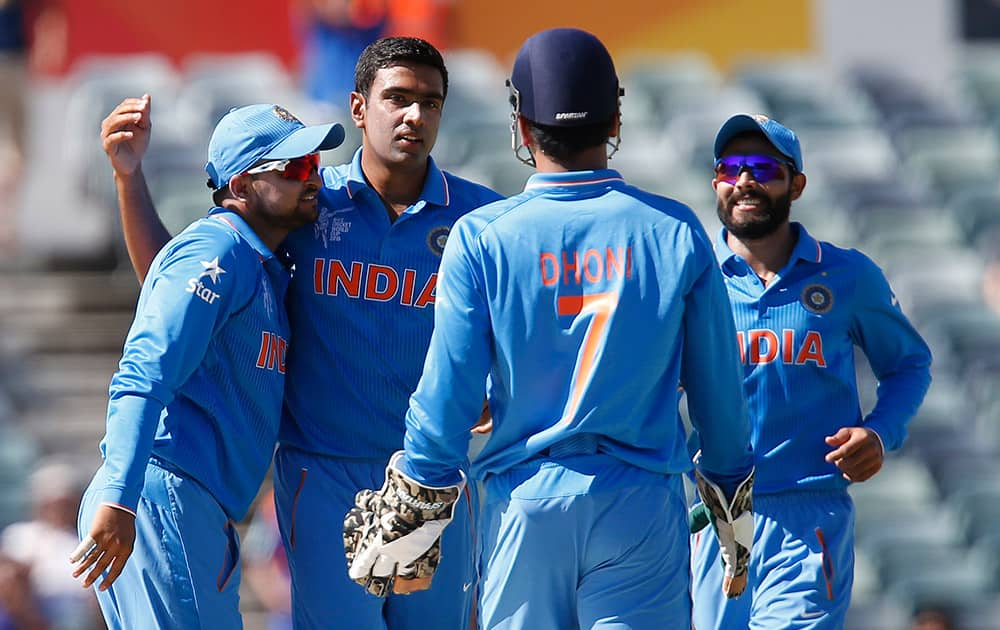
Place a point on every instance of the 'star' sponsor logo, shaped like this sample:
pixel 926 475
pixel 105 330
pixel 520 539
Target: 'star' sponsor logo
pixel 207 295
pixel 212 269
pixel 200 289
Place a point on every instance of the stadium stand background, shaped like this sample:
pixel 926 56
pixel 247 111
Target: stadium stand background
pixel 902 154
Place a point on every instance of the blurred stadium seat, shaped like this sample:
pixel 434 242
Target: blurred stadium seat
pixel 212 84
pixel 882 613
pixel 654 82
pixel 97 84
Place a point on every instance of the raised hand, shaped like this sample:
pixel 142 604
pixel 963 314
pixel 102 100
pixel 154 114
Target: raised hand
pixel 125 134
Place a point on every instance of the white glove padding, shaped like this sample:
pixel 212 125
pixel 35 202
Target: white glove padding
pixel 396 531
pixel 733 524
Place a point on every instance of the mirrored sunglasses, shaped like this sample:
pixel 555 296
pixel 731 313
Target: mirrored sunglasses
pixel 298 169
pixel 763 168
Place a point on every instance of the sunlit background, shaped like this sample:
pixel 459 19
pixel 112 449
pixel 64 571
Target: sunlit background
pixel 897 104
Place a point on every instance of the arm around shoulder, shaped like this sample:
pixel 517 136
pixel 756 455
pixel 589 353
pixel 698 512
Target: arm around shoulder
pixel 125 135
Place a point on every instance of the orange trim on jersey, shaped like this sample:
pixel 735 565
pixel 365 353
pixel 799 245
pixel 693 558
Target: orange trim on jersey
pixel 827 563
pixel 444 183
pixel 295 506
pixel 226 221
pixel 447 192
pixel 237 230
pixel 585 182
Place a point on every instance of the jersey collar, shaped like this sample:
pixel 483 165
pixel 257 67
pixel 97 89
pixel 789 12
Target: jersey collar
pixel 806 247
pixel 435 189
pixel 578 180
pixel 236 222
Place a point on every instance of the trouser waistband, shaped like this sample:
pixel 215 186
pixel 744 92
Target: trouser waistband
pixel 580 444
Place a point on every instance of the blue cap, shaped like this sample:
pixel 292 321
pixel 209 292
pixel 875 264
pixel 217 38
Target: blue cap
pixel 565 77
pixel 783 138
pixel 249 134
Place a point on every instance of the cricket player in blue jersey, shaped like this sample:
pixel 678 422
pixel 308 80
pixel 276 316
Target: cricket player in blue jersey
pixel 196 402
pixel 583 301
pixel 361 308
pixel 801 307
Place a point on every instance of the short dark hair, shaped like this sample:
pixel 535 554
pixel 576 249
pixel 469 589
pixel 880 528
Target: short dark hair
pixel 564 143
pixel 391 51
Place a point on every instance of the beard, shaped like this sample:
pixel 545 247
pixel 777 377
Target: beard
pixel 764 221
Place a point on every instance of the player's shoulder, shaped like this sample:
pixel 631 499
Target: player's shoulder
pixel 335 182
pixel 467 194
pixel 669 218
pixel 854 269
pixel 205 234
pixel 848 258
pixel 487 214
pixel 207 243
pixel 670 208
pixel 335 176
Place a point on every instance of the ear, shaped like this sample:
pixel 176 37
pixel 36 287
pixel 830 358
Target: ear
pixel 527 140
pixel 241 186
pixel 358 106
pixel 798 185
pixel 616 126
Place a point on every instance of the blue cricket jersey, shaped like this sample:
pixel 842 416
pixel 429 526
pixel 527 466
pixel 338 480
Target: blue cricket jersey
pixel 586 301
pixel 361 303
pixel 797 339
pixel 201 378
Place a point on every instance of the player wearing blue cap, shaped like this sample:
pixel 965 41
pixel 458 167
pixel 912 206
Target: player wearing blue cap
pixel 360 305
pixel 582 302
pixel 196 402
pixel 801 306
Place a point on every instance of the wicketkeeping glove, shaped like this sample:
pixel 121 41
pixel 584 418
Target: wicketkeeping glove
pixel 733 524
pixel 396 531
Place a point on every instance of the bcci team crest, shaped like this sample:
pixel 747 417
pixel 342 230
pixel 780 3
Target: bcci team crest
pixel 817 299
pixel 436 239
pixel 285 115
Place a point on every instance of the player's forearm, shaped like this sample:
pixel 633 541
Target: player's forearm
pixel 144 233
pixel 899 397
pixel 131 427
pixel 449 396
pixel 712 376
pixel 434 455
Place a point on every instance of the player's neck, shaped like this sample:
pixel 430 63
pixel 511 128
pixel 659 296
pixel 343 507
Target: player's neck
pixel 592 159
pixel 269 233
pixel 398 186
pixel 766 255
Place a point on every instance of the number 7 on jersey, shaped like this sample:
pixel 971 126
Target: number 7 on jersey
pixel 599 306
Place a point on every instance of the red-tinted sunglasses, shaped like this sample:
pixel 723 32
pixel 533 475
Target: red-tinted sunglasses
pixel 763 168
pixel 298 169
